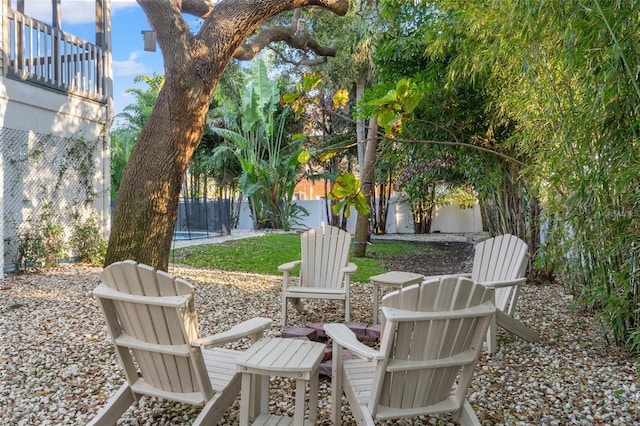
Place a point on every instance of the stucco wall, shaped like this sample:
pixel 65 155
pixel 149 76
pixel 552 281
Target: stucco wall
pixel 2 13
pixel 1 214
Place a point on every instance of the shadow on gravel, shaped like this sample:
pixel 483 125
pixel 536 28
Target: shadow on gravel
pixel 429 258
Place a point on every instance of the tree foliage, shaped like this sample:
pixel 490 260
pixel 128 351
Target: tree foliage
pixel 550 91
pixel 433 119
pixel 328 138
pixel 267 152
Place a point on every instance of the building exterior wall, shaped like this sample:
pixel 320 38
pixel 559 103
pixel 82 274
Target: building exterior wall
pixel 1 213
pixel 310 190
pixel 2 34
pixel 55 111
pixel 55 161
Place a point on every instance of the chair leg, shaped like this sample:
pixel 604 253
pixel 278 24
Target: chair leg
pixel 491 331
pixel 468 416
pixel 514 326
pixel 336 385
pixel 284 311
pixel 116 406
pixel 215 408
pixel 347 310
pixel 297 303
pixel 492 341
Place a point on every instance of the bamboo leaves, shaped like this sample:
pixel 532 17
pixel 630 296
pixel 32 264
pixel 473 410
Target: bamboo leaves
pixel 565 76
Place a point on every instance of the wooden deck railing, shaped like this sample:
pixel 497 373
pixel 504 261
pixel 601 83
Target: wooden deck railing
pixel 47 56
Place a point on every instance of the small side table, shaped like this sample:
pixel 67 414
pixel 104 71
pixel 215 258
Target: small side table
pixel 392 278
pixel 294 358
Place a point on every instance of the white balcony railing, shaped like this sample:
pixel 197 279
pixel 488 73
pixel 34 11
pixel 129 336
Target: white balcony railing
pixel 44 55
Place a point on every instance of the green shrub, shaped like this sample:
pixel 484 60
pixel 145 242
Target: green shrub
pixel 31 250
pixel 53 239
pixel 41 245
pixel 87 242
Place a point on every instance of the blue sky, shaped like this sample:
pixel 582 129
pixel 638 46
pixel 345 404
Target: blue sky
pixel 127 22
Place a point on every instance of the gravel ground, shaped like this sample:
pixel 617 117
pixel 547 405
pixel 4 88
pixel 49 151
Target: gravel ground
pixel 57 366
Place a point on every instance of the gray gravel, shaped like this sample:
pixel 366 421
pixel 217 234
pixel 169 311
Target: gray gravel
pixel 57 366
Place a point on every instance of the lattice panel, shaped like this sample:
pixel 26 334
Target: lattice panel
pixel 41 177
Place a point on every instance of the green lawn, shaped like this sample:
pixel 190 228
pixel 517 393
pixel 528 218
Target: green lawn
pixel 263 255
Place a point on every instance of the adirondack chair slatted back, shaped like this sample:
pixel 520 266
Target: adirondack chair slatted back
pixel 324 254
pixel 501 258
pixel 432 335
pixel 152 320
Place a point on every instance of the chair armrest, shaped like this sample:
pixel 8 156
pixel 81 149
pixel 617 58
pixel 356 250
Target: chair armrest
pixel 503 284
pixel 253 327
pixel 348 340
pixel 400 315
pixel 350 268
pixel 289 265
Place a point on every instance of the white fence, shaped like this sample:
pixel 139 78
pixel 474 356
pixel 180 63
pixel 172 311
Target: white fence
pixel 447 219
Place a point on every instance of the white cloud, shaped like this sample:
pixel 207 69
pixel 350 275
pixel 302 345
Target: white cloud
pixel 130 66
pixel 117 5
pixel 73 11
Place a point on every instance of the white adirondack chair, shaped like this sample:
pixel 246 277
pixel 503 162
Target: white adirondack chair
pixel 500 264
pixel 324 269
pixel 153 324
pixel 432 335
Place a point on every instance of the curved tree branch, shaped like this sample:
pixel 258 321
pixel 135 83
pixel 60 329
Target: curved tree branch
pixel 435 142
pixel 222 25
pixel 238 19
pixel 199 8
pixel 300 41
pixel 309 62
pixel 295 36
pixel 464 144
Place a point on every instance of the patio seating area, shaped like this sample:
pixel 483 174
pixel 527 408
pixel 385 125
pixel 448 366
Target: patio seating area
pixel 59 367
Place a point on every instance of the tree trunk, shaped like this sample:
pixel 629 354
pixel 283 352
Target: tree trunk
pixel 146 209
pixel 362 224
pixel 361 129
pixel 420 218
pixel 430 209
pixel 508 211
pixel 373 206
pixel 381 205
